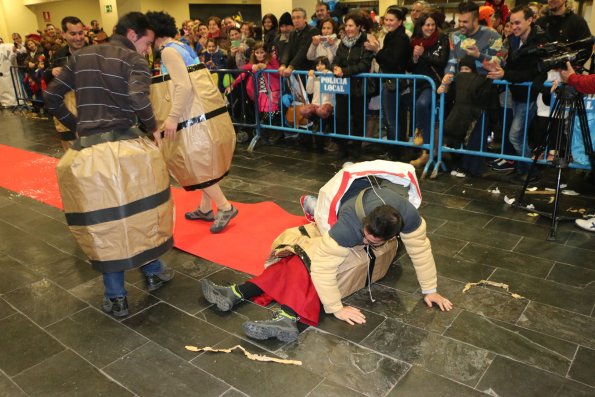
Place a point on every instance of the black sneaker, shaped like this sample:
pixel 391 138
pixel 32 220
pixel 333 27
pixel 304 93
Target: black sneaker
pixel 156 281
pixel 225 298
pixel 115 306
pixel 503 165
pixel 283 326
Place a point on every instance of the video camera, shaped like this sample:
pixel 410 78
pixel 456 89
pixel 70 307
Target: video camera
pixel 555 55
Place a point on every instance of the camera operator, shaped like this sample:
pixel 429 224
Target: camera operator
pixel 584 84
pixel 562 24
pixel 522 66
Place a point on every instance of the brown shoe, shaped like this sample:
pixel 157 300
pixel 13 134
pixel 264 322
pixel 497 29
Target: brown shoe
pixel 421 160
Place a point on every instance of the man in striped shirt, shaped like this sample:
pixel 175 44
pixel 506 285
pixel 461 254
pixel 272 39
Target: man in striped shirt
pixel 112 83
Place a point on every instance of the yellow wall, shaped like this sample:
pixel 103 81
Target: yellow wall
pixel 86 10
pixel 17 18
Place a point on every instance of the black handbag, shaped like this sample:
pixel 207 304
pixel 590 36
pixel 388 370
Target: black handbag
pixel 389 84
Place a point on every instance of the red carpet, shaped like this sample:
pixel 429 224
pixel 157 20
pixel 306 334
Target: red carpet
pixel 244 245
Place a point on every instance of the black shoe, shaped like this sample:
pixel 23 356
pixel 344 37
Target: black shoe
pixel 223 297
pixel 156 281
pixel 283 326
pixel 115 306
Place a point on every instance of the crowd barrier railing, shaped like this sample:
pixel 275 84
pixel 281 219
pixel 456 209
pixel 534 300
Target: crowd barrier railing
pixel 242 109
pixel 487 152
pixel 22 94
pixel 372 85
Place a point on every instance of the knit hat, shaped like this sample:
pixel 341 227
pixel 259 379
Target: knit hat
pixel 485 14
pixel 285 19
pixel 468 61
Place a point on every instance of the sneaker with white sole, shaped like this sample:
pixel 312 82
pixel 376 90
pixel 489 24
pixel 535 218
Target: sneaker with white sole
pixel 586 224
pixel 458 173
pixel 283 326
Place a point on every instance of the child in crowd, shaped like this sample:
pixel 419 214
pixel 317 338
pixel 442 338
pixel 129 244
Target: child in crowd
pixel 472 98
pixel 268 86
pixel 322 104
pixel 214 57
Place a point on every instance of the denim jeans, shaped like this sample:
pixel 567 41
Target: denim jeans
pixel 517 129
pixel 423 113
pixel 113 282
pixel 389 102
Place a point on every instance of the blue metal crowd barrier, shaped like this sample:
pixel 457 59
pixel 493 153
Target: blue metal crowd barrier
pixel 378 136
pixel 24 99
pixel 486 152
pixel 243 111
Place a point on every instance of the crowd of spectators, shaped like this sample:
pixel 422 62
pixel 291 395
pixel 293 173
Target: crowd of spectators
pixel 488 39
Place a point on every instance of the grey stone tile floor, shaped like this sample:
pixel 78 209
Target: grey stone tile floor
pixel 55 341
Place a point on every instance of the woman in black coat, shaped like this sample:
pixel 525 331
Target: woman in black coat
pixel 430 55
pixel 352 58
pixel 393 58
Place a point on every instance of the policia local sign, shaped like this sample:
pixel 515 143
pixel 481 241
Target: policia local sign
pixel 334 85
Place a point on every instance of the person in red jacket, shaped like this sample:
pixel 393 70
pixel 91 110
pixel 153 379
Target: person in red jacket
pixel 585 84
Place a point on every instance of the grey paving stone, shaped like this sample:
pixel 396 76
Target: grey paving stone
pixel 24 344
pixel 174 329
pixel 548 292
pixel 484 236
pixel 66 374
pixel 560 253
pixel 330 389
pixel 535 349
pixel 582 367
pixel 419 382
pixel 405 307
pixel 560 323
pixel 256 378
pixel 506 377
pixel 44 302
pixel 572 275
pixel 503 259
pixel 10 389
pixel 152 370
pixel 15 274
pixel 96 336
pixel 438 354
pixel 5 309
pixel 359 369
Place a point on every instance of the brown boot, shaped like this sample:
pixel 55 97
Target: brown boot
pixel 421 160
pixel 418 137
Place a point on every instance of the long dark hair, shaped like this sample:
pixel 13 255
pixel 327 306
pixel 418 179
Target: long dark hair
pixel 273 19
pixel 417 30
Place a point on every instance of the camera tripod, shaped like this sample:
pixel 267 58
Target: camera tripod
pixel 568 105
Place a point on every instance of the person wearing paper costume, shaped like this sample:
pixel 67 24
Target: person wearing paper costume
pixel 113 181
pixel 359 214
pixel 199 138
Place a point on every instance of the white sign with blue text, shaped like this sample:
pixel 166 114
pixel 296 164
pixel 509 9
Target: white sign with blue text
pixel 334 85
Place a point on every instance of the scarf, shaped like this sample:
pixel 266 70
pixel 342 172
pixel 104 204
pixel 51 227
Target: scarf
pixel 426 42
pixel 347 42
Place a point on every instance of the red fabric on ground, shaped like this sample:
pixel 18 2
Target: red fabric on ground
pixel 288 282
pixel 30 174
pixel 244 245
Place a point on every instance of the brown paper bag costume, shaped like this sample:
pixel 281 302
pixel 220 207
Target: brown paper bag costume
pixel 67 137
pixel 201 152
pixel 117 201
pixel 352 274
